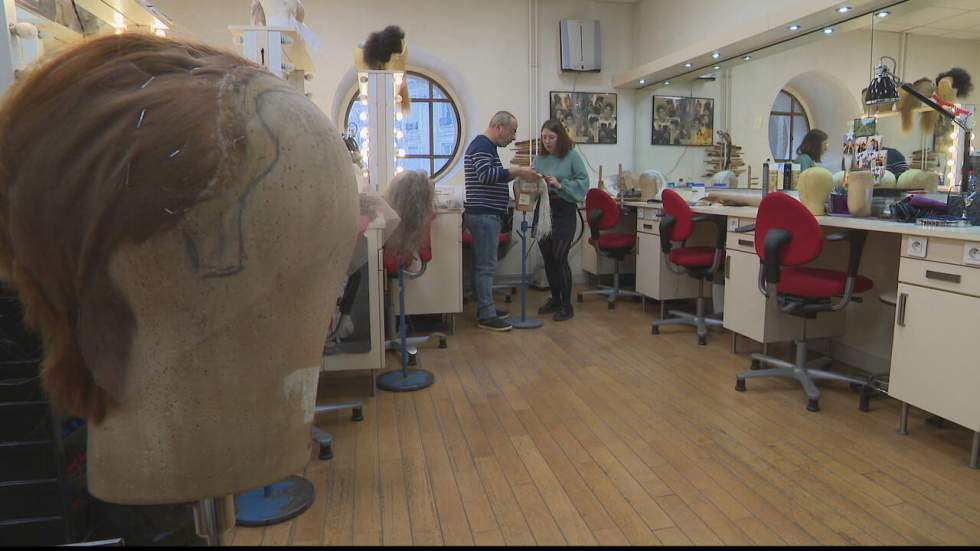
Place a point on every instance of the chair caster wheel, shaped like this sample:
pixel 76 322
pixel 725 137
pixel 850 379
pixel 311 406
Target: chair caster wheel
pixel 756 365
pixel 507 299
pixel 326 452
pixel 856 387
pixel 865 404
pixel 813 405
pixel 702 340
pixel 740 385
pixel 580 297
pixel 611 305
pixel 357 414
pixel 654 329
pixel 442 343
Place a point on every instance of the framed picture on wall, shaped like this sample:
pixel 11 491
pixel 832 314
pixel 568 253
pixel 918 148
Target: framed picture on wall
pixel 589 117
pixel 683 121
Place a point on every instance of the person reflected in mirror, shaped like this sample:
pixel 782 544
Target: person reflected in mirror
pixel 811 149
pixel 567 180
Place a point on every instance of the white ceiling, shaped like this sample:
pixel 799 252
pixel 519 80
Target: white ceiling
pixel 947 18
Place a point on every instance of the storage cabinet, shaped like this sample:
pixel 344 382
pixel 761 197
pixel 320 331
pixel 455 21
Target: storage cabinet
pixel 440 289
pixel 933 364
pixel 372 356
pixel 653 277
pixel 750 314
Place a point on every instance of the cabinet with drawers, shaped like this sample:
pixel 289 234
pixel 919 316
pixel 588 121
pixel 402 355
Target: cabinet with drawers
pixel 653 278
pixel 934 367
pixel 748 312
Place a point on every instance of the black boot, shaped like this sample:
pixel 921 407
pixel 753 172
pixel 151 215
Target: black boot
pixel 565 312
pixel 549 307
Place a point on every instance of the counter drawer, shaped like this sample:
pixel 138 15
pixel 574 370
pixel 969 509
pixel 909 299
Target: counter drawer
pixel 937 275
pixel 648 220
pixel 744 242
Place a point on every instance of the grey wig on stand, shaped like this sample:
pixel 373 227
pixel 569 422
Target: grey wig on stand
pixel 412 195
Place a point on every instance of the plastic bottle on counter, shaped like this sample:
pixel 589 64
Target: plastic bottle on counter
pixel 765 177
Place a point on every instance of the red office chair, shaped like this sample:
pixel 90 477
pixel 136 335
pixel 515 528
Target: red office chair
pixel 603 214
pixel 503 245
pixel 701 263
pixel 787 236
pixel 391 262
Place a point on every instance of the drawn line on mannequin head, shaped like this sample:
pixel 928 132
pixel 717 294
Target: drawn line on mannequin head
pixel 223 241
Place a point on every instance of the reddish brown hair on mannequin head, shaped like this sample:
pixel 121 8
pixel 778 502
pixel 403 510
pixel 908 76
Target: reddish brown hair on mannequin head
pixel 110 142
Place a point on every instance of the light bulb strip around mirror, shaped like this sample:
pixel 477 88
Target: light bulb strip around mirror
pixel 797 34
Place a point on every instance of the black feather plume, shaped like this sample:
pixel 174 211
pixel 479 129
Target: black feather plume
pixel 380 46
pixel 962 82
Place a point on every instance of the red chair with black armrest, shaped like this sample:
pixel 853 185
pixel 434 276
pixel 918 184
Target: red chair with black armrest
pixel 787 236
pixel 503 245
pixel 676 225
pixel 392 262
pixel 602 214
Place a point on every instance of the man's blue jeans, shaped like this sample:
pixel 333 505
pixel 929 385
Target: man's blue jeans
pixel 485 229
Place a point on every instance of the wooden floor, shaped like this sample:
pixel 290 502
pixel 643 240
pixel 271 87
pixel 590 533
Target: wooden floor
pixel 593 431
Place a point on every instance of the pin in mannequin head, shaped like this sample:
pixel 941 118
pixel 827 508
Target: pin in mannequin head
pixel 177 221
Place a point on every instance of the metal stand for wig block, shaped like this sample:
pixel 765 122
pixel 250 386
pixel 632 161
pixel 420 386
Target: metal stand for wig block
pixel 274 503
pixel 405 379
pixel 525 322
pixel 214 518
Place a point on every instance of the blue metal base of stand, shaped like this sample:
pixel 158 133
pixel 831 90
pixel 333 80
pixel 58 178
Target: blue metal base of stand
pixel 524 322
pixel 405 380
pixel 529 323
pixel 274 503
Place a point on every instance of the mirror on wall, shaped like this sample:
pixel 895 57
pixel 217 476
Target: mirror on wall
pixel 769 103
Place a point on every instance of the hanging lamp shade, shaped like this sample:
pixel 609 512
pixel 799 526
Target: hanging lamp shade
pixel 883 87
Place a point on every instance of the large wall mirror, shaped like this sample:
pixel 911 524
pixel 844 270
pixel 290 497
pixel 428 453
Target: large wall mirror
pixel 769 102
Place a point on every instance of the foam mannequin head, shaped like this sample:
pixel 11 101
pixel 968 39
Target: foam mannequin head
pixel 860 186
pixel 909 179
pixel 815 186
pixel 207 213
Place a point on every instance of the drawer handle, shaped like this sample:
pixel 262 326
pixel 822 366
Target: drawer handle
pixel 902 301
pixel 943 276
pixel 648 226
pixel 746 242
pixel 728 267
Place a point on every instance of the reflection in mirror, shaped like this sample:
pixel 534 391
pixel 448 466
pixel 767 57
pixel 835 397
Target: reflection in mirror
pixel 817 82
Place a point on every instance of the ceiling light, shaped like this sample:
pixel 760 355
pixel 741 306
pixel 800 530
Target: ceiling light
pixel 843 9
pixel 794 27
pixel 716 67
pixel 828 30
pixel 715 55
pixel 642 81
pixel 883 13
pixel 746 58
pixel 667 82
pixel 688 65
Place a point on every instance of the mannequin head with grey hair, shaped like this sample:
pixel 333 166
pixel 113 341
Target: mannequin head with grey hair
pixel 502 128
pixel 412 195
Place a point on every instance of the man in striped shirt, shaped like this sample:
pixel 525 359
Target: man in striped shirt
pixel 487 195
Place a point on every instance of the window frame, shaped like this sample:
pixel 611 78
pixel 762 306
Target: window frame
pixel 791 115
pixel 432 101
